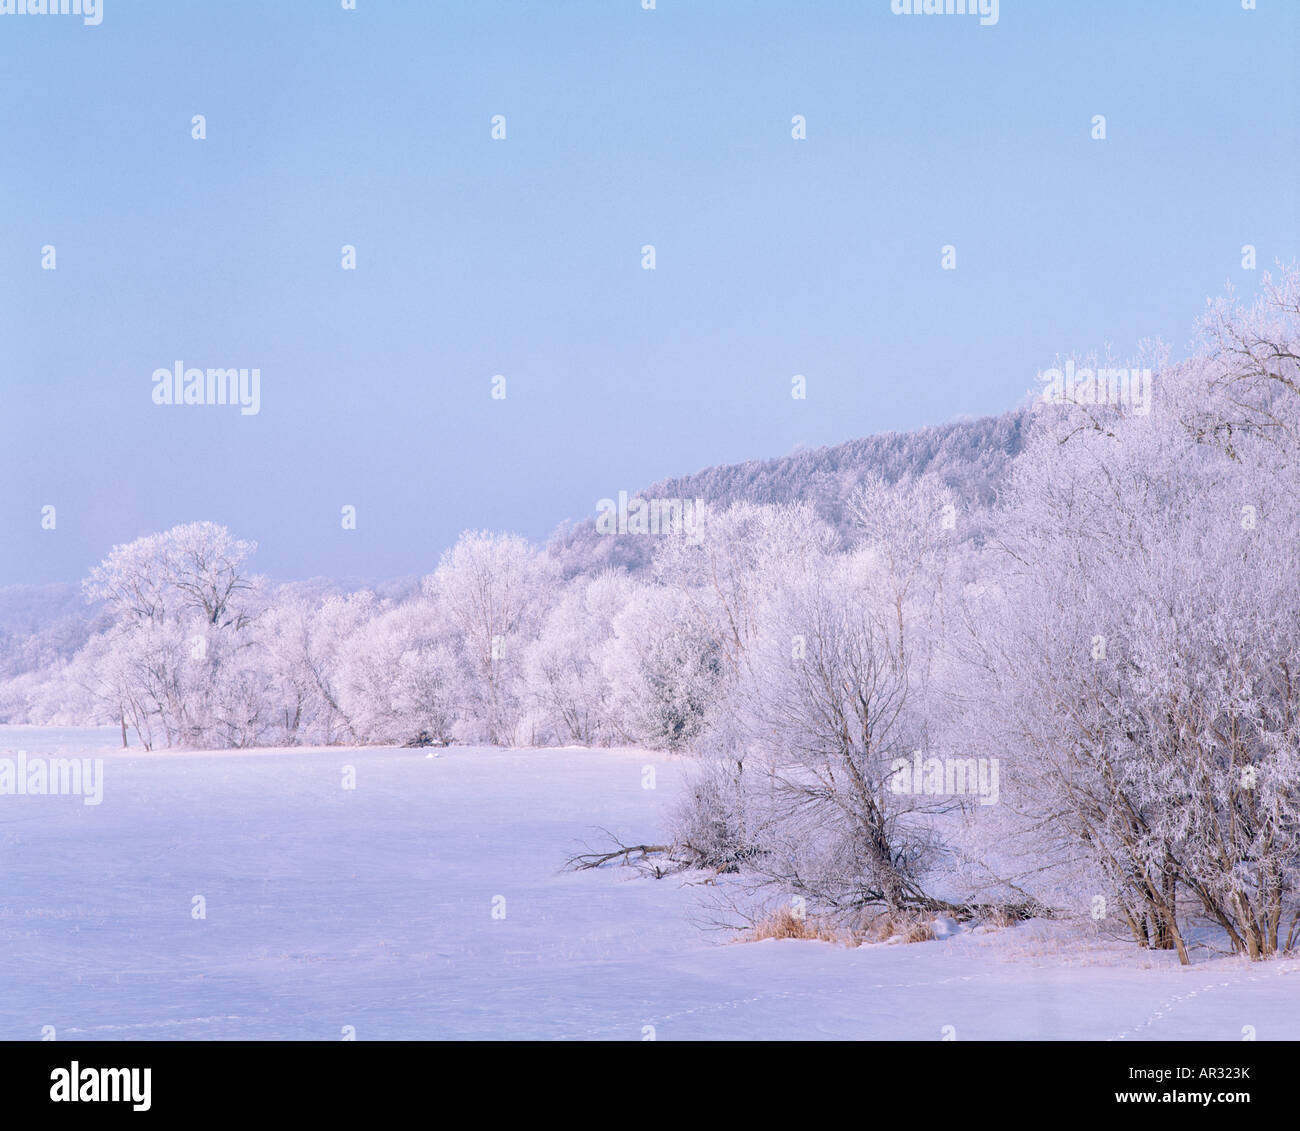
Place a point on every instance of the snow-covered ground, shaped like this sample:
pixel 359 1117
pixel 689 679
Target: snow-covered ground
pixel 373 908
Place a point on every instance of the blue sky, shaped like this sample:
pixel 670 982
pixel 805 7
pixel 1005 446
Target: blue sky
pixel 522 257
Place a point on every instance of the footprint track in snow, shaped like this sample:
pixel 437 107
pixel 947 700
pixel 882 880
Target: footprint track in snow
pixel 1175 1000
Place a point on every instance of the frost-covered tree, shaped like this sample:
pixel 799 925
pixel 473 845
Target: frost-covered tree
pixel 303 642
pixel 663 670
pixel 826 700
pixel 177 665
pixel 1137 656
pixel 494 590
pixel 192 570
pixel 568 690
pixel 399 680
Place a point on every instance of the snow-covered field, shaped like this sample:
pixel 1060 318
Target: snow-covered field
pixel 372 907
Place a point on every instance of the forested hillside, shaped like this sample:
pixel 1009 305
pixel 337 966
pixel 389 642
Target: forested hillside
pixel 970 457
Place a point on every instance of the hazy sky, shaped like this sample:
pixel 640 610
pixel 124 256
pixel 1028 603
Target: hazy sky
pixel 522 256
